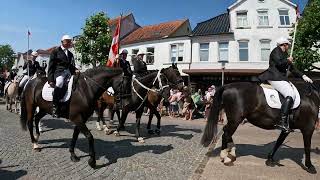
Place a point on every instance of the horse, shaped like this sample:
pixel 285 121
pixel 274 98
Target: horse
pixel 87 88
pixel 104 102
pixel 246 100
pixel 138 99
pixel 11 95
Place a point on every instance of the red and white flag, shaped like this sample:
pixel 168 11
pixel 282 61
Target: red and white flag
pixel 114 49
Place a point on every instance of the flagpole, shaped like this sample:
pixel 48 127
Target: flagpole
pixel 119 32
pixel 294 38
pixel 28 52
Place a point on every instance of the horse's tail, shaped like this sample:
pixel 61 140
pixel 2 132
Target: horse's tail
pixel 23 109
pixel 211 128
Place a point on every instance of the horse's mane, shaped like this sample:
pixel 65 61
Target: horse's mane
pixel 96 70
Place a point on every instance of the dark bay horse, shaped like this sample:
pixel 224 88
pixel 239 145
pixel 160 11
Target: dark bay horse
pixel 137 103
pixel 87 89
pixel 247 100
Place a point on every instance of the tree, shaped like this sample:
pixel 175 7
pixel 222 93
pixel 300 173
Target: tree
pixel 6 57
pixel 306 50
pixel 95 41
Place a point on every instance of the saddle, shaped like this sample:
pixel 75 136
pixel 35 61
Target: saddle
pixel 47 91
pixel 274 98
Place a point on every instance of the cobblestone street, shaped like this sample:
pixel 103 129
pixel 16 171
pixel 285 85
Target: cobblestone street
pixel 173 155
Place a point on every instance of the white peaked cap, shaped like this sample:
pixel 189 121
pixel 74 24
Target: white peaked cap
pixel 66 37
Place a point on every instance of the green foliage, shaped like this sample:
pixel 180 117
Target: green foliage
pixel 306 50
pixel 6 57
pixel 94 42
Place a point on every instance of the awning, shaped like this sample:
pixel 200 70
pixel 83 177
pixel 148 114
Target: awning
pixel 235 72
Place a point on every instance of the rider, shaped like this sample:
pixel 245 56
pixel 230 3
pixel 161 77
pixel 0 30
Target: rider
pixel 30 68
pixel 61 67
pixel 124 64
pixel 279 63
pixel 139 66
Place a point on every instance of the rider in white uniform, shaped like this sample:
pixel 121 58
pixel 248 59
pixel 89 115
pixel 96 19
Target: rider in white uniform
pixel 276 75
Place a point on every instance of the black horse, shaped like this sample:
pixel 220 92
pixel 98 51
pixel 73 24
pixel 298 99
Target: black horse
pixel 88 87
pixel 247 100
pixel 137 103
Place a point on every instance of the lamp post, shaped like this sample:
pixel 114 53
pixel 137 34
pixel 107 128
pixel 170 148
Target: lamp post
pixel 223 66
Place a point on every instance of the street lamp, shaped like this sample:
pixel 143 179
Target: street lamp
pixel 223 66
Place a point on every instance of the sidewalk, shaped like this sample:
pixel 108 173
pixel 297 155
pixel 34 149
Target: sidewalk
pixel 253 144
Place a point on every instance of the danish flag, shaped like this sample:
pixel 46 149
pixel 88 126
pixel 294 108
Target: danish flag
pixel 114 46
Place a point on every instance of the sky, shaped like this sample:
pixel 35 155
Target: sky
pixel 48 20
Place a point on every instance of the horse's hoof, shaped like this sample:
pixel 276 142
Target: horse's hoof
pixel 150 131
pixel 141 140
pixel 227 161
pixel 116 133
pixel 271 163
pixel 108 132
pixel 122 128
pixel 233 158
pixel 74 158
pixel 158 131
pixel 92 163
pixel 311 170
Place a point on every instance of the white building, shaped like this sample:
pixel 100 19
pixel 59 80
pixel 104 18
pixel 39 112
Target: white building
pixel 244 37
pixel 164 43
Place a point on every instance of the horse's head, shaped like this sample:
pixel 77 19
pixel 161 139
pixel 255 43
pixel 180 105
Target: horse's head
pixel 173 75
pixel 41 72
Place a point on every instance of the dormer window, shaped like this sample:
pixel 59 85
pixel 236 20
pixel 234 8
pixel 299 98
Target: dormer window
pixel 261 1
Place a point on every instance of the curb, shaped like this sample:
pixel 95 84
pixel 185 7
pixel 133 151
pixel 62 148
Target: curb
pixel 200 169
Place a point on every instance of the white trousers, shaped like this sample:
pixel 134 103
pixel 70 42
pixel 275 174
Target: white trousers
pixel 60 79
pixel 23 80
pixel 283 87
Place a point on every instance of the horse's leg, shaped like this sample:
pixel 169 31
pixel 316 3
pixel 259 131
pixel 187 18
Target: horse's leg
pixel 150 131
pixel 122 120
pixel 228 149
pixel 158 130
pixel 37 119
pixel 307 135
pixel 100 115
pixel 30 117
pixel 281 138
pixel 75 135
pixel 138 119
pixel 84 129
pixel 7 102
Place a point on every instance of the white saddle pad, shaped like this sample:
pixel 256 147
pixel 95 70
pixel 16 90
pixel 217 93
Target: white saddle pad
pixel 48 90
pixel 110 91
pixel 273 98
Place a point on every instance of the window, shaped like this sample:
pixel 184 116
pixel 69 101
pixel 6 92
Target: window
pixel 284 17
pixel 243 51
pixel 242 19
pixel 265 49
pixel 44 63
pixel 263 18
pixel 261 1
pixel 134 54
pixel 204 52
pixel 150 55
pixel 177 52
pixel 223 51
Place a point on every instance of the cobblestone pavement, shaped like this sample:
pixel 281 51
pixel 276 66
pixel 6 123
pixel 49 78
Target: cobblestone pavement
pixel 253 144
pixel 174 155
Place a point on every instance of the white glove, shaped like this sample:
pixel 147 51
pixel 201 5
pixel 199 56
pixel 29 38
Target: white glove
pixel 307 79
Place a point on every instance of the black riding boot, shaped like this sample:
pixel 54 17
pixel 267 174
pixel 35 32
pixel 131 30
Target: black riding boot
pixel 285 108
pixel 55 101
pixel 20 89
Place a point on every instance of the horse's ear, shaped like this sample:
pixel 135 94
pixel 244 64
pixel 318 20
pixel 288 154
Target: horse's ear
pixel 174 66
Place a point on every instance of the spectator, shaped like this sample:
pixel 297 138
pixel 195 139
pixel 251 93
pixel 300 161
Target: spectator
pixel 209 97
pixel 174 108
pixel 198 101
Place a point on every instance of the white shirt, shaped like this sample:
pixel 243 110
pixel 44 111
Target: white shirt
pixel 65 50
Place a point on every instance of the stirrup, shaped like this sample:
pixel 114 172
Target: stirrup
pixel 283 128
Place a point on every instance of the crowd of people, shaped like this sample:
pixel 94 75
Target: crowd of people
pixel 187 104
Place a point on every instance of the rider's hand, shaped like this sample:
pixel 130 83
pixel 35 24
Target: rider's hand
pixel 290 59
pixel 52 84
pixel 307 79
